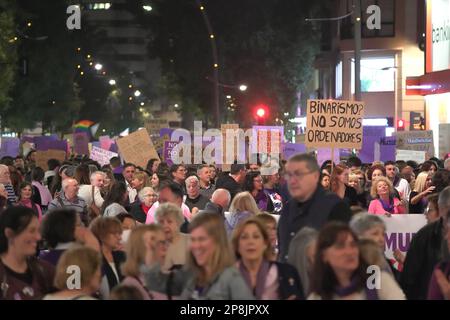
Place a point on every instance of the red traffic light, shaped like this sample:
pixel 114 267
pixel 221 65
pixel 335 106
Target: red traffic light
pixel 260 112
pixel 400 124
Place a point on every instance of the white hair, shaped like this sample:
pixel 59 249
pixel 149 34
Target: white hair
pixel 100 173
pixel 3 168
pixel 191 178
pixel 141 194
pixel 65 182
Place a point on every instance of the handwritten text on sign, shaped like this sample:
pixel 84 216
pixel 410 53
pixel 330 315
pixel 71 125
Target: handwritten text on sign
pixel 334 123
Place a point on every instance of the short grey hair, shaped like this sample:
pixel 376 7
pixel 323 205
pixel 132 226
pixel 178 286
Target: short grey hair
pixel 141 194
pixel 364 221
pixel 65 182
pixel 444 198
pixel 221 192
pixel 191 178
pixel 169 210
pixel 310 160
pixel 100 173
pixel 447 164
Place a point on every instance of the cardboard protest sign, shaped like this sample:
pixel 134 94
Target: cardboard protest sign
pixel 400 229
pixel 334 123
pixel 324 154
pixel 9 147
pixel 444 139
pixel 416 140
pixel 153 127
pixel 267 139
pixel 81 143
pixel 406 155
pixel 228 139
pixel 102 156
pixel 137 148
pixel 43 156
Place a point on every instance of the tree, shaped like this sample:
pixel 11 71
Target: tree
pixel 8 54
pixel 264 43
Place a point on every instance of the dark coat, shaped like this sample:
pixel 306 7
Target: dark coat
pixel 228 183
pixel 425 251
pixel 118 258
pixel 289 280
pixel 315 213
pixel 137 212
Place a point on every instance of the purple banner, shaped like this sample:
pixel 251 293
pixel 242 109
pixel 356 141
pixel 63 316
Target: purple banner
pixel 168 147
pixel 324 154
pixel 370 136
pixel 9 147
pixel 81 143
pixel 289 149
pixel 387 148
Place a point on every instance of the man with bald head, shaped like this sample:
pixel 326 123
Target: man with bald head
pixel 219 203
pixel 69 199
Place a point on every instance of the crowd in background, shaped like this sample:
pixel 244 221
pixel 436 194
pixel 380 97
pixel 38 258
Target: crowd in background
pixel 279 230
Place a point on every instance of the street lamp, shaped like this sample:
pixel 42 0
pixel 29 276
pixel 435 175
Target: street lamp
pixel 137 93
pixel 98 67
pixel 243 87
pixel 147 8
pixel 112 82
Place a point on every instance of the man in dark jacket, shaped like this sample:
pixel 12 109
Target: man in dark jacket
pixel 310 206
pixel 220 201
pixel 427 248
pixel 233 181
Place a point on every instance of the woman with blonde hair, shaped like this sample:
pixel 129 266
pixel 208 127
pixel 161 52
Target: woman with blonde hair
pixel 422 188
pixel 140 180
pixel 385 201
pixel 89 263
pixel 140 251
pixel 242 207
pixel 211 263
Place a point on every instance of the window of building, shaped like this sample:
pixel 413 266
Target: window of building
pixel 377 74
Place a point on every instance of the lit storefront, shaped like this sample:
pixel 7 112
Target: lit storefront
pixel 435 83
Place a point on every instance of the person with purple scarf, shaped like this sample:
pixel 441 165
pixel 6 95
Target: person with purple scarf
pixel 268 280
pixel 254 184
pixel 385 201
pixel 341 273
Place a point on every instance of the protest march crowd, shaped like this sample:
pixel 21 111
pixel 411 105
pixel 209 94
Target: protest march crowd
pixel 81 231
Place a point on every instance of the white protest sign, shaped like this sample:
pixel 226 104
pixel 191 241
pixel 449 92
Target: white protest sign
pixel 102 156
pixel 406 155
pixel 400 229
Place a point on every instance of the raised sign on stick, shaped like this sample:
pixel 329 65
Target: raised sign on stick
pixel 334 124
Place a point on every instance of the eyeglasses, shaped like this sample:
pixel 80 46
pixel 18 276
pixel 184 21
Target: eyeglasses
pixel 152 195
pixel 297 175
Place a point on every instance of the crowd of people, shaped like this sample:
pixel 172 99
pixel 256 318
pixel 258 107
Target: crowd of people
pixel 286 230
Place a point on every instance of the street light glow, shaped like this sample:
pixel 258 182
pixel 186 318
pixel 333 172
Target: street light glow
pixel 147 8
pixel 137 93
pixel 228 97
pixel 243 87
pixel 112 82
pixel 142 103
pixel 98 66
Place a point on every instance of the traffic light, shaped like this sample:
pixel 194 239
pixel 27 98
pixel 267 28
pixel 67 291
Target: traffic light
pixel 400 125
pixel 261 113
pixel 422 123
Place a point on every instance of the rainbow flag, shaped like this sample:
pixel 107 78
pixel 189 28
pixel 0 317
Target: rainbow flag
pixel 83 126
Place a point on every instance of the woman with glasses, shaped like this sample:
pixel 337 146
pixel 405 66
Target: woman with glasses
pixel 170 217
pixel 146 198
pixel 254 184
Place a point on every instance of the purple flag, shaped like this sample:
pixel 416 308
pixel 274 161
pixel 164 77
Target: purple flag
pixel 370 136
pixel 289 149
pixel 9 147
